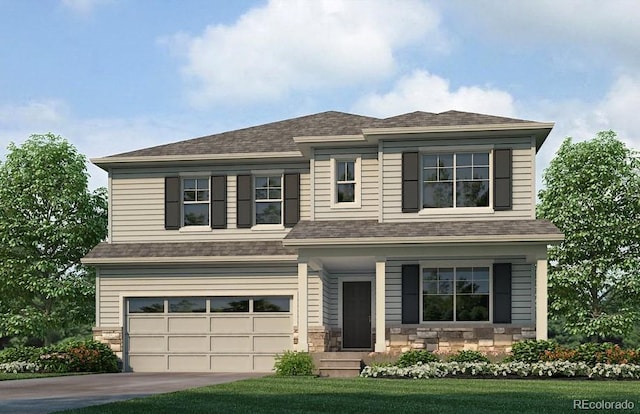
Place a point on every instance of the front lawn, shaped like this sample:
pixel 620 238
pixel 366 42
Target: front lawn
pixel 28 375
pixel 363 395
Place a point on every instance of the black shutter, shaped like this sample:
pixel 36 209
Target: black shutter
pixel 244 219
pixel 411 293
pixel 219 202
pixel 502 292
pixel 502 179
pixel 291 199
pixel 410 182
pixel 172 203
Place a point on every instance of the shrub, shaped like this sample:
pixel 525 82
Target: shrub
pixel 616 355
pixel 530 350
pixel 468 356
pixel 413 357
pixel 21 354
pixel 293 363
pixel 79 356
pixel 17 367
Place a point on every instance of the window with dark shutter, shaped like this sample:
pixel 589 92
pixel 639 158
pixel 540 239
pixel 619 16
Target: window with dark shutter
pixel 243 209
pixel 172 203
pixel 410 182
pixel 502 186
pixel 219 202
pixel 502 292
pixel 291 199
pixel 410 293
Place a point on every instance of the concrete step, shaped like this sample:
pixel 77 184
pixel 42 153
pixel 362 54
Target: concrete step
pixel 339 372
pixel 340 362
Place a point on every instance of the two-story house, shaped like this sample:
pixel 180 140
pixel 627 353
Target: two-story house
pixel 326 232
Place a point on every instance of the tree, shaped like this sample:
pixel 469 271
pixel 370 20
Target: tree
pixel 592 195
pixel 48 221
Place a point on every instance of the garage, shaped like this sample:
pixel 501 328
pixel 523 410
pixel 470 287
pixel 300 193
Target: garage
pixel 199 334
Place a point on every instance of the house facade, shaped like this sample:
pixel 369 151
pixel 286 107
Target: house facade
pixel 327 232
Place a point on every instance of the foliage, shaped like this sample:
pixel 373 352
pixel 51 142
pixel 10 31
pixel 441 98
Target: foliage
pixel 416 356
pixel 509 369
pixel 48 221
pixel 592 195
pixel 467 356
pixel 20 353
pixel 531 350
pixel 17 367
pixel 293 363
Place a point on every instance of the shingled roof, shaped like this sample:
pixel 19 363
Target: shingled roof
pixel 186 249
pixel 278 136
pixel 372 229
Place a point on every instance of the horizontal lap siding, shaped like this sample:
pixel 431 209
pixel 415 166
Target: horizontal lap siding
pixel 172 281
pixel 521 283
pixel 314 299
pixel 137 209
pixel 523 171
pixel 369 185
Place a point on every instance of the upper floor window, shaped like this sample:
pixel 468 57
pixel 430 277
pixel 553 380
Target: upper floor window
pixel 268 199
pixel 195 200
pixel 455 180
pixel 455 294
pixel 345 181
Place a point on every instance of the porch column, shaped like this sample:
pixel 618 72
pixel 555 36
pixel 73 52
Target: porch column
pixel 380 345
pixel 303 297
pixel 541 299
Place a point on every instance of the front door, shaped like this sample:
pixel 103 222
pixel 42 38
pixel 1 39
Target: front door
pixel 356 315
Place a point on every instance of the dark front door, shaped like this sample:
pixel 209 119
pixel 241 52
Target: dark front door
pixel 356 315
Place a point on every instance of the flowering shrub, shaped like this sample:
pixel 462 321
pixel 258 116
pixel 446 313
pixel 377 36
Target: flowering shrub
pixel 415 356
pixel 510 369
pixel 17 367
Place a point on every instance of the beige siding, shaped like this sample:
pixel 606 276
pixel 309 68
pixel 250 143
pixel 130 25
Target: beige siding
pixel 315 299
pixel 523 173
pixel 522 280
pixel 116 283
pixel 137 208
pixel 369 185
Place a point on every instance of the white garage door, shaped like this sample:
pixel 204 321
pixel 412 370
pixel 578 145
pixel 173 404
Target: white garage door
pixel 217 334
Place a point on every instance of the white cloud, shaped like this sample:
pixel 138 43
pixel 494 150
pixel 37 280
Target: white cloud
pixel 300 46
pixel 431 93
pixel 83 7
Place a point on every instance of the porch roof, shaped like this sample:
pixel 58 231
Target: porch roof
pixel 113 253
pixel 309 233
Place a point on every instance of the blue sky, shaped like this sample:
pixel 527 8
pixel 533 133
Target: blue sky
pixel 116 75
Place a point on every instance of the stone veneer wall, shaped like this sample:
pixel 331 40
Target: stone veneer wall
pixel 111 337
pixel 323 339
pixel 445 339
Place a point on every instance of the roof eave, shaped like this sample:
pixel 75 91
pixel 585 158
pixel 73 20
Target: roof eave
pixel 93 261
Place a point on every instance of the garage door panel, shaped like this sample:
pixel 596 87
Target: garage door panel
pixel 231 363
pixel 272 324
pixel 188 363
pixel 188 344
pixel 148 324
pixel 147 344
pixel 263 363
pixel 230 325
pixel 187 325
pixel 148 363
pixel 271 343
pixel 231 344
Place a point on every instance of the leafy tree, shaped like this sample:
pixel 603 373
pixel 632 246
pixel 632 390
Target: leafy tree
pixel 48 221
pixel 592 194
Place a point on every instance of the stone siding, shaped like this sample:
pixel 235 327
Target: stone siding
pixel 111 337
pixel 451 339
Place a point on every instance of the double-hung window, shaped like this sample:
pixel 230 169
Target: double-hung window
pixel 195 202
pixel 268 199
pixel 455 294
pixel 345 181
pixel 454 180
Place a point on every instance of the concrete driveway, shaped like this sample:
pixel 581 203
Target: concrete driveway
pixel 47 395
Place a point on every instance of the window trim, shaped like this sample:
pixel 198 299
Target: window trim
pixel 456 264
pixel 262 174
pixel 456 210
pixel 357 191
pixel 197 227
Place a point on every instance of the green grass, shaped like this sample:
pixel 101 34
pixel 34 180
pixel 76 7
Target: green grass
pixel 362 395
pixel 25 375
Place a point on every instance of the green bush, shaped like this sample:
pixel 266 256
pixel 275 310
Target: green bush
pixel 590 353
pixel 531 350
pixel 293 363
pixel 20 354
pixel 412 357
pixel 468 356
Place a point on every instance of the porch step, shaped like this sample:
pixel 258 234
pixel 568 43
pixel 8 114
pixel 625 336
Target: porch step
pixel 339 364
pixel 339 372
